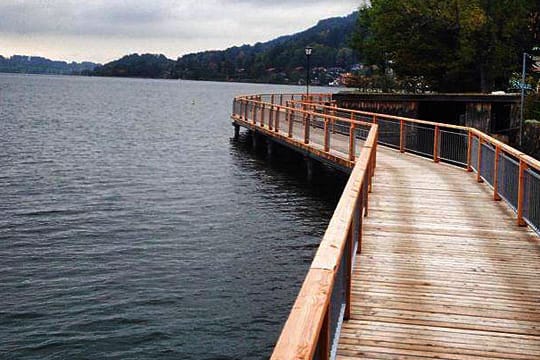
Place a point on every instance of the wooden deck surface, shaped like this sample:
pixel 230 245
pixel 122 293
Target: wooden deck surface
pixel 444 271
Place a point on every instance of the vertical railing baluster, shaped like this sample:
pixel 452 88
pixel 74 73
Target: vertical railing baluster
pixel 352 142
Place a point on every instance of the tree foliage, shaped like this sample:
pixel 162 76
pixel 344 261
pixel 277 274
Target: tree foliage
pixel 40 65
pixel 451 45
pixel 135 65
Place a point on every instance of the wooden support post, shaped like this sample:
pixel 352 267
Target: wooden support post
pixel 479 161
pixel 374 120
pixel 496 195
pixel 309 168
pixel 401 136
pixel 262 115
pixel 469 152
pixel 521 192
pixel 255 109
pixel 360 219
pixel 280 99
pixel 269 148
pixel 326 136
pixel 246 111
pixel 352 142
pixel 254 141
pixel 436 137
pixel 366 197
pixel 236 131
pixel 348 275
pixel 272 99
pixel 324 337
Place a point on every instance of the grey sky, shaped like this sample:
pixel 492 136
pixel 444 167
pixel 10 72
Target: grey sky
pixel 103 30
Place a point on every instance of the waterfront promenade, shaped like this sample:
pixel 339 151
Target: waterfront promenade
pixel 433 250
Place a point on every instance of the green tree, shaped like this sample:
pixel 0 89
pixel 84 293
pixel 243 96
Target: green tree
pixel 452 45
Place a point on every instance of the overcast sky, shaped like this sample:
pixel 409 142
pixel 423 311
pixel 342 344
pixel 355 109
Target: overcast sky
pixel 104 30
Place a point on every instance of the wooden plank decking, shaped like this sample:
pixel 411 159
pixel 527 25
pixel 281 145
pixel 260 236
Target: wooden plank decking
pixel 444 270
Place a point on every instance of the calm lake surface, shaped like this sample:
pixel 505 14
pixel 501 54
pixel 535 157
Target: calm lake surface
pixel 133 227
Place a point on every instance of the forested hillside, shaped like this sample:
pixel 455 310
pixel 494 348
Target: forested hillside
pixel 135 65
pixel 39 65
pixel 281 60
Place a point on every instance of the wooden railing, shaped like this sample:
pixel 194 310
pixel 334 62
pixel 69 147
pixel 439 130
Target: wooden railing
pixel 513 175
pixel 324 298
pixel 284 123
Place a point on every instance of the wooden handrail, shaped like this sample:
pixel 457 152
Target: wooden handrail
pixel 300 335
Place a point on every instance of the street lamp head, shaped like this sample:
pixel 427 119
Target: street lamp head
pixel 308 50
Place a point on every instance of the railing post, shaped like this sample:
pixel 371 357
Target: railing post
pixel 374 120
pixel 401 136
pixel 324 336
pixel 262 115
pixel 348 277
pixel 255 109
pixel 496 174
pixel 246 110
pixel 436 136
pixel 272 99
pixel 307 120
pixel 521 192
pixel 276 122
pixel 352 142
pixel 360 219
pixel 271 115
pixel 326 135
pixel 479 161
pixel 291 121
pixel 469 151
pixel 280 99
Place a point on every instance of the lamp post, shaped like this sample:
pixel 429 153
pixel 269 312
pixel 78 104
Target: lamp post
pixel 308 51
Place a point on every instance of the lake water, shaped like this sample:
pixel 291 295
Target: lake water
pixel 133 227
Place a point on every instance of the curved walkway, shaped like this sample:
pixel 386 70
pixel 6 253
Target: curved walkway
pixel 444 272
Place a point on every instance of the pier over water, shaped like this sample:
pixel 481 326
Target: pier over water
pixel 433 249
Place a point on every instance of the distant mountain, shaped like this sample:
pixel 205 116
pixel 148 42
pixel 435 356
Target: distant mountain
pixel 135 65
pixel 40 65
pixel 281 60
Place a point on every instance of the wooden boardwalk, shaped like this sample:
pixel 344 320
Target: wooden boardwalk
pixel 444 270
